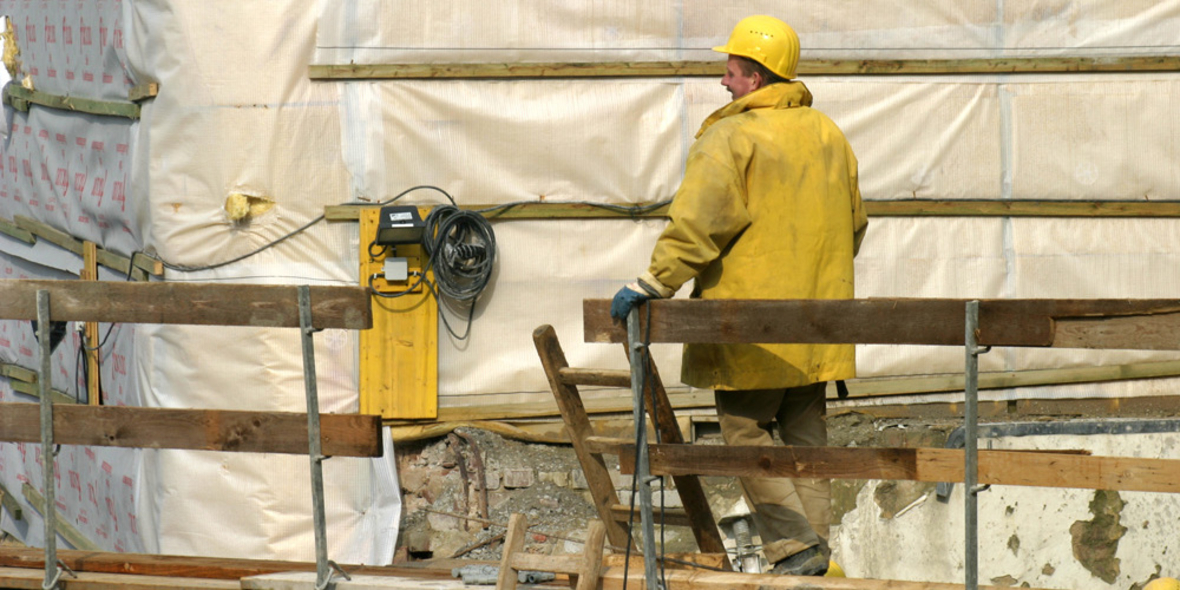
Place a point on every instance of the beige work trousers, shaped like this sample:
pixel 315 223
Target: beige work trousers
pixel 790 514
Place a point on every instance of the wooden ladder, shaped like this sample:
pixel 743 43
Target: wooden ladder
pixel 587 567
pixel 564 381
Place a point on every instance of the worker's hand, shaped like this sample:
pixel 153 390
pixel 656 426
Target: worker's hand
pixel 627 298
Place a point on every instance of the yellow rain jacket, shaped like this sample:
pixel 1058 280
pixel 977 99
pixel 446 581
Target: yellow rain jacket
pixel 769 209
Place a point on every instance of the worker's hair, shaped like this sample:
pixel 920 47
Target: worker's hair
pixel 749 66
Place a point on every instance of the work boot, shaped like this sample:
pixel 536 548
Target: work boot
pixel 808 562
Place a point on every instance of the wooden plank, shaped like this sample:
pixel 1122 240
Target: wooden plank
pixel 807 67
pixel 141 92
pixel 15 231
pixel 106 258
pixel 211 568
pixel 917 385
pixel 1020 208
pixel 22 579
pixel 1019 468
pixel 21 98
pixel 399 356
pixel 344 435
pixel 9 503
pixel 64 529
pixel 701 579
pixel 577 424
pixel 1146 324
pixel 596 377
pixel 185 303
pixel 669 516
pixel 891 208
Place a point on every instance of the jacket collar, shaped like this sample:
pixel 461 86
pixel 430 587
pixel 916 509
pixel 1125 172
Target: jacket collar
pixel 783 95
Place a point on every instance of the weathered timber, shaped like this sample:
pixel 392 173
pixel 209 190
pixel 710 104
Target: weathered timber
pixel 64 529
pixel 700 579
pixel 668 516
pixel 186 303
pixel 9 503
pixel 347 435
pixel 1020 208
pixel 12 230
pixel 1019 468
pixel 141 92
pixel 24 579
pixel 1146 324
pixel 890 208
pixel 894 386
pixel 141 564
pixel 137 267
pixel 596 377
pixel 809 67
pixel 577 424
pixel 22 98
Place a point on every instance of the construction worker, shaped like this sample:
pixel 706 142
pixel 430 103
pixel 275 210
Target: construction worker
pixel 769 208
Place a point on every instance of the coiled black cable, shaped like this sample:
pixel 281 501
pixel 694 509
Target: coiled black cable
pixel 461 247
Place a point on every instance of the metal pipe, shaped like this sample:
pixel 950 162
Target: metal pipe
pixel 319 522
pixel 642 472
pixel 52 573
pixel 971 468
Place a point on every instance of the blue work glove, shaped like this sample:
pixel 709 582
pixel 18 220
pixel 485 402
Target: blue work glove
pixel 627 298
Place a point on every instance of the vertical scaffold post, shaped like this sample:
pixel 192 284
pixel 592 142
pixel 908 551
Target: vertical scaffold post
pixel 319 521
pixel 971 454
pixel 52 571
pixel 642 476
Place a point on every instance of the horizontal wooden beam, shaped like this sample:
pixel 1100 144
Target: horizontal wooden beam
pixel 22 98
pixel 924 384
pixel 344 435
pixel 178 566
pixel 893 208
pixel 26 579
pixel 1020 208
pixel 116 262
pixel 1143 324
pixel 186 303
pixel 618 578
pixel 716 68
pixel 1016 468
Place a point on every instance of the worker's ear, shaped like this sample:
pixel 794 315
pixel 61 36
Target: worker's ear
pixel 759 81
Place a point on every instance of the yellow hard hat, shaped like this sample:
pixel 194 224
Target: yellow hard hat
pixel 1163 584
pixel 835 571
pixel 766 40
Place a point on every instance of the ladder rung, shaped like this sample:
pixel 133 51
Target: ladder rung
pixel 671 516
pixel 603 377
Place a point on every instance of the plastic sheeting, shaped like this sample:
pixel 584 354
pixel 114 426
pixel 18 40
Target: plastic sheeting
pixel 220 125
pixel 236 113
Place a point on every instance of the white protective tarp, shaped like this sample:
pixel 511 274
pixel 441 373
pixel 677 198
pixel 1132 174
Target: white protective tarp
pixel 233 116
pixel 1055 137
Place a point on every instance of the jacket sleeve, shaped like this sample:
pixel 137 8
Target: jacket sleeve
pixel 708 211
pixel 860 218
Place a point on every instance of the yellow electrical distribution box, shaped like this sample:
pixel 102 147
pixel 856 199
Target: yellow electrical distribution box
pixel 399 356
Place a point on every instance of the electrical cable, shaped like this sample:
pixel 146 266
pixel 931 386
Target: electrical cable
pixel 459 244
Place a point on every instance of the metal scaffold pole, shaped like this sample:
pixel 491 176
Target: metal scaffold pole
pixel 323 567
pixel 642 476
pixel 971 430
pixel 48 456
